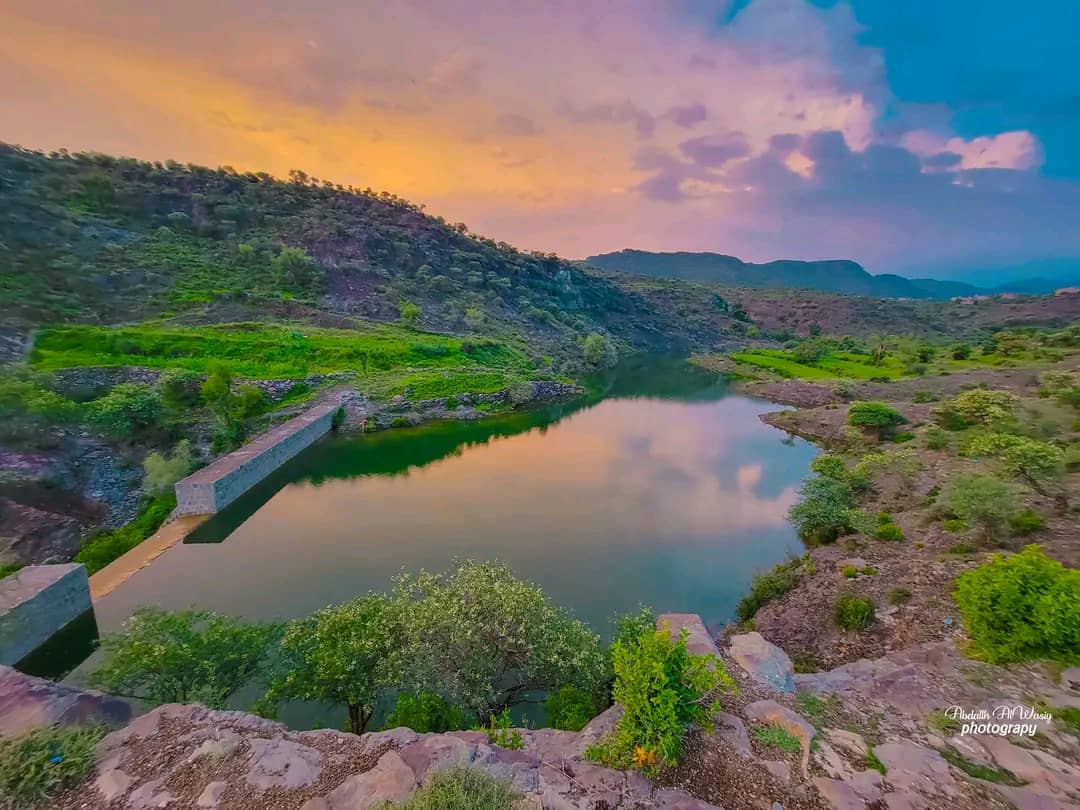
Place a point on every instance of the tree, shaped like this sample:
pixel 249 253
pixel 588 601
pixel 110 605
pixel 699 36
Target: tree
pixel 1009 343
pixel 216 391
pixel 179 389
pixel 597 350
pixel 485 640
pixel 980 500
pixel 349 654
pixel 826 510
pixel 876 417
pixel 409 312
pixel 474 317
pixel 1034 462
pixel 189 655
pixel 977 406
pixel 127 410
pixel 292 268
pixel 961 351
pixel 163 471
pixel 811 351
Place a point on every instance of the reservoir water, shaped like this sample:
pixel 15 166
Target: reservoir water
pixel 662 488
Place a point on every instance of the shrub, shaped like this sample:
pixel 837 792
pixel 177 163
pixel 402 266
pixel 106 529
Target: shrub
pixel 900 438
pixel 41 763
pixel 1022 607
pixel 629 627
pixel 980 500
pixel 501 732
pixel 955 525
pixel 1025 522
pixel 179 389
pixel 598 350
pixel 127 410
pixel 768 586
pixel 664 690
pixel 937 439
pixel 164 471
pixel 1035 462
pixel 889 532
pixel 571 709
pixel 960 351
pixel 899 596
pixel 875 417
pixel 853 612
pixel 250 401
pixel 179 657
pixel 105 546
pixel 462 788
pixel 849 571
pixel 409 313
pixel 829 466
pixel 826 510
pixel 426 713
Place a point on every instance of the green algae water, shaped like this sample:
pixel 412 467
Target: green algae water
pixel 660 488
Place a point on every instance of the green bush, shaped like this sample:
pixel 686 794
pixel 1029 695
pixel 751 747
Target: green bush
pixel 501 732
pixel 768 586
pixel 777 737
pixel 1022 607
pixel 571 708
pixel 826 510
pixel 829 466
pixel 629 627
pixel 127 410
pixel 937 439
pixel 425 713
pixel 105 546
pixel 1025 522
pixel 663 690
pixel 42 763
pixel 876 417
pixel 853 612
pixel 164 471
pixel 849 571
pixel 980 500
pixel 461 788
pixel 977 406
pixel 955 525
pixel 889 532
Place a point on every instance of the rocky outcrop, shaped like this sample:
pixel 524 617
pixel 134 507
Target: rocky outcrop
pixel 27 702
pixel 192 757
pixel 764 662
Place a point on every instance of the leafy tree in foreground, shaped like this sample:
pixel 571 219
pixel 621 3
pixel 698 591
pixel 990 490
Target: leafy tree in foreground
pixel 348 654
pixel 1022 607
pixel 980 500
pixel 189 655
pixel 485 640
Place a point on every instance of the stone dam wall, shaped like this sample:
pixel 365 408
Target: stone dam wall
pixel 214 487
pixel 36 603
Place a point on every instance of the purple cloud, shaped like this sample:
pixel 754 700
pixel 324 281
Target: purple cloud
pixel 515 124
pixel 626 112
pixel 687 117
pixel 713 151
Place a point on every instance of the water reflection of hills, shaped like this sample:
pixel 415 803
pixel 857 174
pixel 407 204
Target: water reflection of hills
pixel 396 452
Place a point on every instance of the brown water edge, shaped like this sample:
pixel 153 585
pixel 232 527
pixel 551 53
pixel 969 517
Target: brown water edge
pixel 124 567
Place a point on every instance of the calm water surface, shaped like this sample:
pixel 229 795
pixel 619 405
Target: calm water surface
pixel 668 492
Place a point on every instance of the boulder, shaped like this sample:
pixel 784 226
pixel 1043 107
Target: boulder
pixel 698 640
pixel 27 703
pixel 913 767
pixel 732 730
pixel 113 783
pixel 763 661
pixel 150 796
pixel 436 752
pixel 211 795
pixel 278 763
pixel 391 780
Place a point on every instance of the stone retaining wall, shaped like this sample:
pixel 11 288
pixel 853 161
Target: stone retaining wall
pixel 36 603
pixel 212 488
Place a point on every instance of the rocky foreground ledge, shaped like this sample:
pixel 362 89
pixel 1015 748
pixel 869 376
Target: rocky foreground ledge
pixel 862 738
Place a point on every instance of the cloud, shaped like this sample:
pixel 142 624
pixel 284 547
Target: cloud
pixel 714 151
pixel 1006 150
pixel 687 116
pixel 624 112
pixel 514 124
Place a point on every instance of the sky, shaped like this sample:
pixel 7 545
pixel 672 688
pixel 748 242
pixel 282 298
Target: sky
pixel 922 137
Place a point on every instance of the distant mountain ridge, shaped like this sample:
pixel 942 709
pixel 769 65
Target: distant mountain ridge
pixel 829 275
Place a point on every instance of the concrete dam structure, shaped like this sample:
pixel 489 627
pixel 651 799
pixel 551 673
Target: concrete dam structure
pixel 214 487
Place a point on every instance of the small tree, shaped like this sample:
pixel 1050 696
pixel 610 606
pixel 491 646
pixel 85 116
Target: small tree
pixel 409 313
pixel 826 510
pixel 977 406
pixel 1034 462
pixel 485 640
pixel 293 269
pixel 980 500
pixel 876 417
pixel 163 471
pixel 1022 607
pixel 596 350
pixel 127 410
pixel 189 655
pixel 348 654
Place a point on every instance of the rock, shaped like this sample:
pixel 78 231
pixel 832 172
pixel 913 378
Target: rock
pixel 848 741
pixel 150 796
pixel 603 724
pixel 851 562
pixel 278 763
pixel 217 749
pixel 1025 798
pixel 437 752
pixel 113 783
pixel 733 731
pixel 212 794
pixel 771 713
pixel 27 703
pixel 520 768
pixel 838 794
pixel 780 770
pixel 391 780
pixel 763 661
pixel 914 767
pixel 1070 679
pixel 698 640
pixel 317 803
pixel 834 765
pixel 676 800
pixel 529 802
pixel 398 737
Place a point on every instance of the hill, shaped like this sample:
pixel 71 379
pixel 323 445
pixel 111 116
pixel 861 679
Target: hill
pixel 832 275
